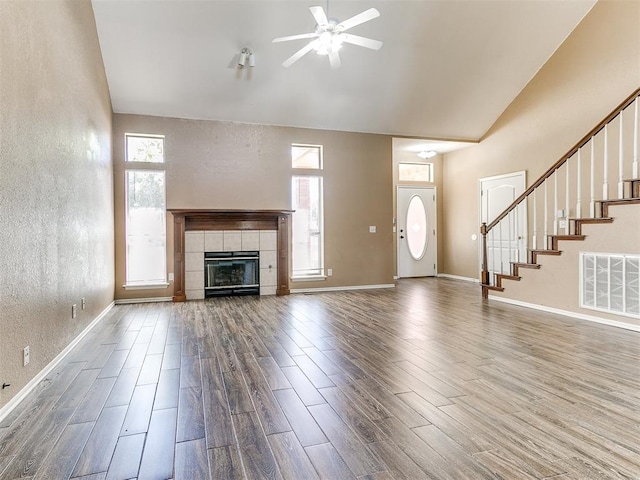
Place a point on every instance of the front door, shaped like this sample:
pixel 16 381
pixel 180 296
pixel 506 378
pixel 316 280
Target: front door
pixel 416 232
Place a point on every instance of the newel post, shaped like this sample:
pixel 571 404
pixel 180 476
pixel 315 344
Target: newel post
pixel 485 269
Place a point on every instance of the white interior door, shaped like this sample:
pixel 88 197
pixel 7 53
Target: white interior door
pixel 416 231
pixel 506 242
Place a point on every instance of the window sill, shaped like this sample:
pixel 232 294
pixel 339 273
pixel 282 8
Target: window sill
pixel 146 286
pixel 311 278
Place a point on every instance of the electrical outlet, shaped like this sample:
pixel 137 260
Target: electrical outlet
pixel 84 303
pixel 25 356
pixel 74 310
pixel 329 272
pixel 372 229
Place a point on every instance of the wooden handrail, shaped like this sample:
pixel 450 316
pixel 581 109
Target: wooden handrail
pixel 628 101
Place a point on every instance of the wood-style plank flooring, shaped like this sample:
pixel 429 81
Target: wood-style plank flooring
pixel 422 381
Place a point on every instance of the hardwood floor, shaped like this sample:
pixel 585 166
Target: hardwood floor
pixel 422 381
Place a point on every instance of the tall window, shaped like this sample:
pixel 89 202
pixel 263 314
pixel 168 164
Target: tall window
pixel 145 205
pixel 307 220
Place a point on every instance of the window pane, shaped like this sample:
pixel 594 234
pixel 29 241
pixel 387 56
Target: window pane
pixel 145 227
pixel 305 157
pixel 145 149
pixel 416 228
pixel 415 172
pixel 307 225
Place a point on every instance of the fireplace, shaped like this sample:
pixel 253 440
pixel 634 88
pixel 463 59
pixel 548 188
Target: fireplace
pixel 196 231
pixel 231 273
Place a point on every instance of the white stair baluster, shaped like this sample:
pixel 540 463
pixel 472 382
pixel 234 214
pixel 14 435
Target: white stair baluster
pixel 501 245
pixel 566 199
pixel 605 178
pixel 510 236
pixel 592 203
pixel 534 239
pixel 620 161
pixel 635 141
pixel 493 252
pixel 555 202
pixel 546 217
pixel 579 186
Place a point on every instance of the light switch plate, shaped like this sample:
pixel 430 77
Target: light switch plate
pixel 372 229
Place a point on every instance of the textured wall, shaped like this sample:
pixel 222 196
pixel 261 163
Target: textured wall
pixel 56 182
pixel 596 68
pixel 224 165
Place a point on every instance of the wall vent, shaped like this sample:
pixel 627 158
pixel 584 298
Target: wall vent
pixel 610 283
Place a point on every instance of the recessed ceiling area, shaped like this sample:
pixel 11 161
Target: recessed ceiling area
pixel 447 68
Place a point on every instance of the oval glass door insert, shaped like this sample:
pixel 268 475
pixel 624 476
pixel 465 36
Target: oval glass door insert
pixel 416 228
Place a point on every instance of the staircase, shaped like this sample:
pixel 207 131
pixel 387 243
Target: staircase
pixel 553 205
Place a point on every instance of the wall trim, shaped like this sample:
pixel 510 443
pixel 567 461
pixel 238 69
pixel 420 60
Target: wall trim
pixel 340 289
pixel 567 313
pixel 458 277
pixel 26 390
pixel 126 301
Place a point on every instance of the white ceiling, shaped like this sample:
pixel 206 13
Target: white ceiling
pixel 447 69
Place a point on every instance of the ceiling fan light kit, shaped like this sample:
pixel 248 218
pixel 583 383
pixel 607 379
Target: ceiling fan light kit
pixel 329 36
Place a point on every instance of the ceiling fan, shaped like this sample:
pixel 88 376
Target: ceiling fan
pixel 330 35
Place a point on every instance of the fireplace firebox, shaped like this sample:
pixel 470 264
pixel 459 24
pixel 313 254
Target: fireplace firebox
pixel 231 273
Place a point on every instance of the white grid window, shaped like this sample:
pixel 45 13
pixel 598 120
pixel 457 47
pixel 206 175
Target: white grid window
pixel 307 219
pixel 145 210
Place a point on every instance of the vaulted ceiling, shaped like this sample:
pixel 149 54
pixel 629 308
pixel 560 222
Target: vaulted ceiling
pixel 447 69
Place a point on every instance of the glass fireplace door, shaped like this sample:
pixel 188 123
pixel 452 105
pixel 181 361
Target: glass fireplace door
pixel 231 273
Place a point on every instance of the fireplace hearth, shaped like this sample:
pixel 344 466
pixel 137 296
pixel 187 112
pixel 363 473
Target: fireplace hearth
pixel 231 273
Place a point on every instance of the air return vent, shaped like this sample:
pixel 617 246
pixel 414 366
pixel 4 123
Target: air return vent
pixel 610 283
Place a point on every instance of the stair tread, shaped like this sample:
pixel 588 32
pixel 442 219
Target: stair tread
pixel 492 287
pixel 546 252
pixel 507 276
pixel 621 200
pixel 569 237
pixel 593 220
pixel 526 265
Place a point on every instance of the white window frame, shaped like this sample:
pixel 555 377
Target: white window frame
pixel 430 166
pixel 315 173
pixel 133 166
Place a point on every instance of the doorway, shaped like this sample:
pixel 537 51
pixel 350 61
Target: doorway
pixel 506 243
pixel 416 231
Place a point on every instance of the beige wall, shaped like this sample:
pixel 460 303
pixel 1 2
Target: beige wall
pixel 56 215
pixel 556 284
pixel 595 69
pixel 224 165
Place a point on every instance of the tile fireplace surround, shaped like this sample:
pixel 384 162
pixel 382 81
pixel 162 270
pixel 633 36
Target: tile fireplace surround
pixel 199 231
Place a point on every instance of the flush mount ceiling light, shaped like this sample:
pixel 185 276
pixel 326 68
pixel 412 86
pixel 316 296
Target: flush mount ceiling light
pixel 329 36
pixel 245 57
pixel 427 154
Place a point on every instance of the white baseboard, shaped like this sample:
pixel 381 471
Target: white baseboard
pixel 22 394
pixel 458 277
pixel 126 301
pixel 567 313
pixel 340 289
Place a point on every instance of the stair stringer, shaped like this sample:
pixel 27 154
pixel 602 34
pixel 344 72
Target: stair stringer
pixel 556 283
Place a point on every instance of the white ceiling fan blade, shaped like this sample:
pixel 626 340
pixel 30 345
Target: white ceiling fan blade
pixel 334 59
pixel 362 41
pixel 299 54
pixel 294 37
pixel 358 19
pixel 319 15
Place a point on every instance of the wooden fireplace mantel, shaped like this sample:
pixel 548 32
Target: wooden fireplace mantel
pixel 187 220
